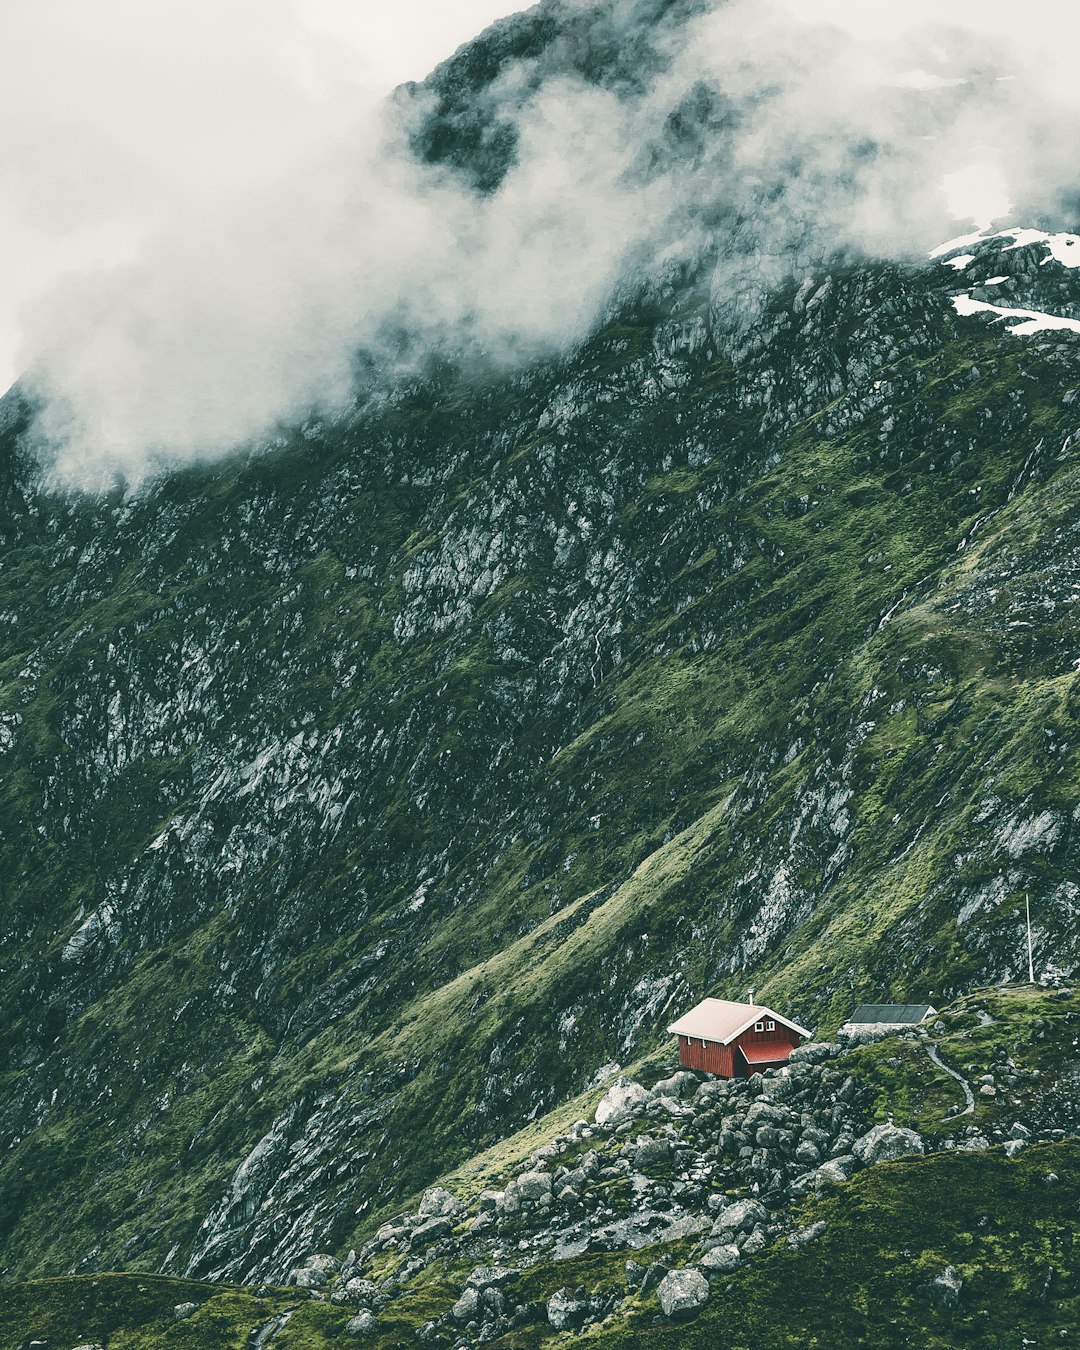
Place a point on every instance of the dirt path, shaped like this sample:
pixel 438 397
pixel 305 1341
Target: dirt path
pixel 969 1096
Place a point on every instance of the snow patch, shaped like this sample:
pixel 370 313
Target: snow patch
pixel 1028 321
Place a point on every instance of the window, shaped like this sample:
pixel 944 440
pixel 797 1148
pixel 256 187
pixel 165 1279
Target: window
pixel 759 1026
pixel 771 1026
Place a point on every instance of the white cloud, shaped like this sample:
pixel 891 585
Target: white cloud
pixel 835 125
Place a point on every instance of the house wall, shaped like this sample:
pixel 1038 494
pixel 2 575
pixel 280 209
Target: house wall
pixel 707 1055
pixel 783 1039
pixel 724 1061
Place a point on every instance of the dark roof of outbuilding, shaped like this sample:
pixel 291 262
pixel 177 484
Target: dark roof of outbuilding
pixel 891 1012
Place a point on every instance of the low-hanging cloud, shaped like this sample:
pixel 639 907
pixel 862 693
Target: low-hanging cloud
pixel 764 134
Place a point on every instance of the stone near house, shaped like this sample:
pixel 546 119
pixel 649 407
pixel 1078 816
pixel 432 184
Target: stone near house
pixel 679 1085
pixel 623 1100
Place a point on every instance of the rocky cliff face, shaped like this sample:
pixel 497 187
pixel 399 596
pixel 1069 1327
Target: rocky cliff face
pixel 410 770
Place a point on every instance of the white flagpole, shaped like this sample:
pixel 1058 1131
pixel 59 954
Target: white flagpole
pixel 1031 964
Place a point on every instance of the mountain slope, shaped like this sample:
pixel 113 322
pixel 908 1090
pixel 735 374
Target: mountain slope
pixel 416 768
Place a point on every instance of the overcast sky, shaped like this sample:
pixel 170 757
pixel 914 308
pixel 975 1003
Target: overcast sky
pixel 120 116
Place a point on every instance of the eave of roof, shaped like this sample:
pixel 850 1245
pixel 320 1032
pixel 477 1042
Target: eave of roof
pixel 733 1018
pixel 758 1053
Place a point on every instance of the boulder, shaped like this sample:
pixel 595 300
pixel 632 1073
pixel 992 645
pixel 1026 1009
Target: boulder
pixel 313 1272
pixel 635 1273
pixel 654 1275
pixel 363 1324
pixel 183 1310
pixel 836 1170
pixel 438 1203
pixel 623 1100
pixel 885 1142
pixel 524 1192
pixel 429 1231
pixel 808 1153
pixel 681 1084
pixel 741 1217
pixel 813 1052
pixel 361 1290
pixel 489 1277
pixel 566 1311
pixel 682 1294
pixel 720 1259
pixel 1014 1146
pixel 467 1308
pixel 649 1152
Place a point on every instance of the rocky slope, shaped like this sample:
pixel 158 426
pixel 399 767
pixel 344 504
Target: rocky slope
pixel 410 770
pixel 852 1194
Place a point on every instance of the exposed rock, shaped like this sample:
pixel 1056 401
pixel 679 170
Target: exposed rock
pixel 682 1294
pixel 363 1324
pixel 649 1152
pixel 183 1310
pixel 361 1290
pixel 810 1233
pixel 438 1203
pixel 944 1289
pixel 883 1143
pixel 623 1100
pixel 656 1272
pixel 813 1052
pixel 314 1272
pixel 681 1084
pixel 488 1277
pixel 741 1217
pixel 565 1310
pixel 634 1274
pixel 467 1307
pixel 429 1231
pixel 836 1170
pixel 722 1258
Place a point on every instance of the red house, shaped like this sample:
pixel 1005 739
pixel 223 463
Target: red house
pixel 735 1040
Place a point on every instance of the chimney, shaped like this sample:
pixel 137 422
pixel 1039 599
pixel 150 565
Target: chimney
pixel 749 996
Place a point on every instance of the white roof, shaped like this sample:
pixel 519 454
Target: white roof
pixel 718 1019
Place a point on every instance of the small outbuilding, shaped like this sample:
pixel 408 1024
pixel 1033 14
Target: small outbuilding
pixel 735 1040
pixel 870 1019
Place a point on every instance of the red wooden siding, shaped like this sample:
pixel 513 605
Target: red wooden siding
pixel 725 1062
pixel 707 1055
